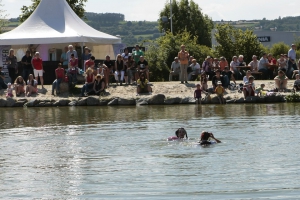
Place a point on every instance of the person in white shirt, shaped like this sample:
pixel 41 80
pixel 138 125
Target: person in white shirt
pixel 282 63
pixel 175 69
pixel 70 52
pixel 254 64
pixel 196 69
pixel 292 61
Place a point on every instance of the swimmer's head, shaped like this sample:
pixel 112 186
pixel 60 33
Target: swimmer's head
pixel 181 133
pixel 205 135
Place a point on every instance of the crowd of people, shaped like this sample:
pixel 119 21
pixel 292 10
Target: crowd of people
pixel 132 68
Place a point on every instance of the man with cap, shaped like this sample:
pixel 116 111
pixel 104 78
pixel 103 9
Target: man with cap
pixel 292 61
pixel 175 68
pixel 2 78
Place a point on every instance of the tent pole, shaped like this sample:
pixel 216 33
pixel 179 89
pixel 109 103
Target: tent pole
pixel 82 62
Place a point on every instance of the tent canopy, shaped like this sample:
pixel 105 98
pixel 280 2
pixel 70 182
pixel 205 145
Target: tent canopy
pixel 53 21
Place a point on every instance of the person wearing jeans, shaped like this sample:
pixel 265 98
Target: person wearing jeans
pixel 60 74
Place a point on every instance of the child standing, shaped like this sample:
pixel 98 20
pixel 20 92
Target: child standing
pixel 9 91
pixel 203 80
pixel 220 92
pixel 197 94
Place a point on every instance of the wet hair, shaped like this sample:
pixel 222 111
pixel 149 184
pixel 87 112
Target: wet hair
pixel 177 132
pixel 205 136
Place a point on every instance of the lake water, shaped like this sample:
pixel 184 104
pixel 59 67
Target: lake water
pixel 122 152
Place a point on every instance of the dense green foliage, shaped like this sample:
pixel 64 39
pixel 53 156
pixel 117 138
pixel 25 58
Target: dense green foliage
pixel 76 5
pixel 279 48
pixel 2 17
pixel 282 24
pixel 161 53
pixel 232 41
pixel 187 16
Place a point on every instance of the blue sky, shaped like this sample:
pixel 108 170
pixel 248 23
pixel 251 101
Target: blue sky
pixel 138 10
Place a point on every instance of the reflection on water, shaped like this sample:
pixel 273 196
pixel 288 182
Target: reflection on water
pixel 122 152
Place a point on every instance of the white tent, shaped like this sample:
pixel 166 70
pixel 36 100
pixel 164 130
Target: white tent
pixel 54 22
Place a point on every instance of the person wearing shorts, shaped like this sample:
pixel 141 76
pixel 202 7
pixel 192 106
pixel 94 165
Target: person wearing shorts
pixel 37 64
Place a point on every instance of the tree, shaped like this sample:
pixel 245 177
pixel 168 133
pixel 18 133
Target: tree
pixel 279 48
pixel 3 21
pixel 232 41
pixel 76 5
pixel 161 53
pixel 187 16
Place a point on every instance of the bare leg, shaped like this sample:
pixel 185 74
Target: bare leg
pixel 42 81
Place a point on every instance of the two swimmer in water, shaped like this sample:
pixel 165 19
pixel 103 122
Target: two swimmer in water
pixel 206 138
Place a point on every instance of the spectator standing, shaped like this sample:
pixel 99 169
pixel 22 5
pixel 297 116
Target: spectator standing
pixel 183 57
pixel 125 55
pixel 131 70
pixel 264 67
pixel 37 64
pixel 64 58
pixel 2 78
pixel 60 75
pixel 86 56
pixel 203 80
pixel 254 64
pixel 137 54
pixel 120 69
pixel 143 67
pixel 19 86
pixel 70 52
pixel 175 69
pixel 109 67
pixel 73 71
pixel 291 61
pixel 12 65
pixel 27 67
pixel 195 69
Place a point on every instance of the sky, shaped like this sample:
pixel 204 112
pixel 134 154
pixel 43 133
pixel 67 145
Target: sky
pixel 139 10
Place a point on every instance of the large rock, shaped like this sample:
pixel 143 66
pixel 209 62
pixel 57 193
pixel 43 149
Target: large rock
pixel 61 102
pixel 215 100
pixel 82 102
pixel 3 102
pixel 20 102
pixel 188 100
pixel 158 99
pixel 73 103
pixel 10 102
pixel 104 102
pixel 240 100
pixel 141 102
pixel 92 101
pixel 176 100
pixel 252 99
pixel 32 103
pixel 126 102
pixel 113 102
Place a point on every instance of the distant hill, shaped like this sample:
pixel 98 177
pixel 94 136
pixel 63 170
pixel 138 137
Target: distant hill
pixel 133 32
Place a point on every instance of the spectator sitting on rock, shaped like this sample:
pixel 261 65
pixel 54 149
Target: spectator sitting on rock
pixel 263 67
pixel 246 78
pixel 99 86
pixel 90 63
pixel 297 83
pixel 281 81
pixel 143 67
pixel 31 86
pixel 249 88
pixel 227 76
pixel 2 78
pixel 218 77
pixel 89 81
pixel 60 75
pixel 19 86
pixel 195 69
pixel 175 69
pixel 142 85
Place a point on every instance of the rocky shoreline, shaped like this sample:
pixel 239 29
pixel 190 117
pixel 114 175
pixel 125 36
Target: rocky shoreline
pixel 165 93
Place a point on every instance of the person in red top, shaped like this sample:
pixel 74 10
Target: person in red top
pixel 37 64
pixel 60 75
pixel 89 81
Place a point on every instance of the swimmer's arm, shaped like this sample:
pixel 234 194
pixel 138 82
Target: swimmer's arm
pixel 213 137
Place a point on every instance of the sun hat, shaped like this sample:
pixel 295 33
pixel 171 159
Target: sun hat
pixel 8 83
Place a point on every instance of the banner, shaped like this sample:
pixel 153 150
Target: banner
pixel 118 48
pixel 4 54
